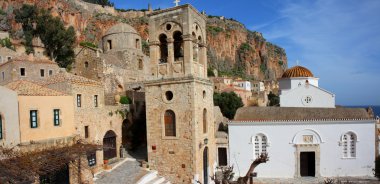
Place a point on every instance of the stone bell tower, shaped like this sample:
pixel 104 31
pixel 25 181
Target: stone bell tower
pixel 179 97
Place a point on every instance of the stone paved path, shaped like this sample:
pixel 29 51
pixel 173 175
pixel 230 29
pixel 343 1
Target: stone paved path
pixel 126 173
pixel 343 180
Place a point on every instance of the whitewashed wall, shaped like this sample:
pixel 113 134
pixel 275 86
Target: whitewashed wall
pixel 320 97
pixel 282 150
pixel 9 114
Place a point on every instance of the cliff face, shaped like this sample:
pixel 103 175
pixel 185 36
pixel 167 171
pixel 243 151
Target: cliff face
pixel 232 49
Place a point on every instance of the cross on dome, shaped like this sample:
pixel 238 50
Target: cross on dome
pixel 176 2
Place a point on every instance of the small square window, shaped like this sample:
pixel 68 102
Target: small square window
pixel 22 71
pixel 9 58
pixel 42 72
pixel 91 158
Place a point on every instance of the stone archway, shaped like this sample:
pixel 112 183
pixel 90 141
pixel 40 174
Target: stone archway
pixel 109 145
pixel 205 165
pixel 126 137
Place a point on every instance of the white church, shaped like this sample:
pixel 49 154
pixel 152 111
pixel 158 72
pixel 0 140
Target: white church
pixel 307 136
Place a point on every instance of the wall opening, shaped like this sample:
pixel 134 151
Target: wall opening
pixel 163 48
pixel 178 45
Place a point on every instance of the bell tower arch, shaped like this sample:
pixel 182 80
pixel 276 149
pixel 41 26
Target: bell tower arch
pixel 179 96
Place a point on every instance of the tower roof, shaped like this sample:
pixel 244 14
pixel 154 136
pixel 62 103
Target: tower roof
pixel 121 28
pixel 297 71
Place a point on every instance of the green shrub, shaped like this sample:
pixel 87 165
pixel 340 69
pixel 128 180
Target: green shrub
pixel 280 62
pixel 244 47
pixel 125 100
pixel 88 44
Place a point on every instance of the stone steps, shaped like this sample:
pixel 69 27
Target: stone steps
pixel 152 178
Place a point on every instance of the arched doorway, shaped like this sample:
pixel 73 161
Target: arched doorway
pixel 109 145
pixel 205 165
pixel 126 137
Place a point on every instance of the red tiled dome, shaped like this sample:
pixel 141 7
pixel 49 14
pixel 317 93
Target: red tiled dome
pixel 297 71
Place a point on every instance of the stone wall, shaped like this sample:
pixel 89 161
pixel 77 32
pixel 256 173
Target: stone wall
pixel 180 158
pixel 88 64
pixel 32 71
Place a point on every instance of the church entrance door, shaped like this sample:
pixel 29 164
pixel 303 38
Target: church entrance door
pixel 205 165
pixel 109 145
pixel 307 160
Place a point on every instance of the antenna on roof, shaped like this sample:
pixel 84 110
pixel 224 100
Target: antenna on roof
pixel 297 62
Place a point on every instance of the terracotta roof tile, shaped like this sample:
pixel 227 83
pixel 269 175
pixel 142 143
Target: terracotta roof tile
pixel 28 88
pixel 298 113
pixel 70 78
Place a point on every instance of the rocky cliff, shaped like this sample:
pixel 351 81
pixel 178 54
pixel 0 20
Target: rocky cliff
pixel 243 53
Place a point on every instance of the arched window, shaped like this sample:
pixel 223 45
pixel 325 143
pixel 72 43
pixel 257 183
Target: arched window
pixel 1 127
pixel 86 64
pixel 349 145
pixel 141 64
pixel 178 45
pixel 163 48
pixel 170 129
pixel 204 121
pixel 261 144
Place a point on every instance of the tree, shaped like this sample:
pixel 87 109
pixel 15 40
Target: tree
pixel 57 39
pixel 274 100
pixel 27 15
pixel 228 103
pixel 227 173
pixel 6 42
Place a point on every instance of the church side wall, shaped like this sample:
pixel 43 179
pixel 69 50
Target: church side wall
pixel 282 152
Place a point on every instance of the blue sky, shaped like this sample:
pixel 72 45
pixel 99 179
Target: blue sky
pixel 338 40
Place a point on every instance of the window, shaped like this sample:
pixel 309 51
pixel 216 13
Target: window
pixel 9 58
pixel 163 48
pixel 349 145
pixel 86 135
pixel 204 121
pixel 50 72
pixel 86 64
pixel 22 71
pixel 1 127
pixel 178 45
pixel 260 145
pixel 42 72
pixel 109 44
pixel 96 100
pixel 91 158
pixel 56 117
pixel 141 64
pixel 33 119
pixel 137 43
pixel 1 59
pixel 3 75
pixel 170 129
pixel 79 100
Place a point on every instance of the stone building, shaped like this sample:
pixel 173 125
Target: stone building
pixel 27 68
pixel 95 122
pixel 118 63
pixel 307 136
pixel 46 116
pixel 7 54
pixel 179 97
